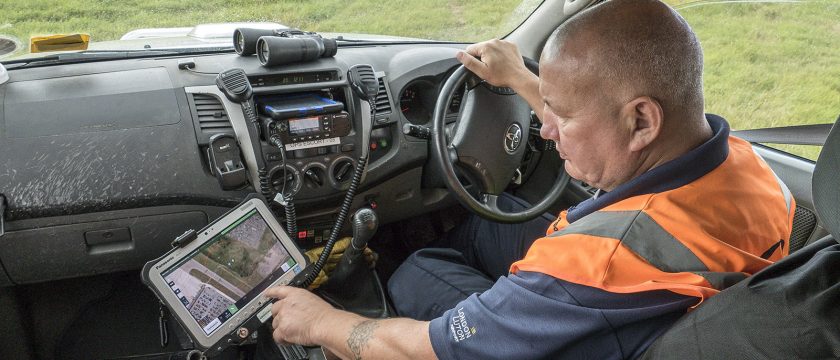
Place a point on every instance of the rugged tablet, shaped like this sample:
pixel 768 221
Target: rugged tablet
pixel 214 282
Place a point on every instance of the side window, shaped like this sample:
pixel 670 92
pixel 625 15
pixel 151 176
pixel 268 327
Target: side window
pixel 769 63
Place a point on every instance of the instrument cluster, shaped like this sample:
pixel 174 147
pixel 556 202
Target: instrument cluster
pixel 417 101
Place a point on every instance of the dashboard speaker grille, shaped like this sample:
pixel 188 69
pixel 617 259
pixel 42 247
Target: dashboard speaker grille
pixel 383 104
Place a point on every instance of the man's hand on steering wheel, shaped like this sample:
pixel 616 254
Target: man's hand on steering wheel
pixel 499 63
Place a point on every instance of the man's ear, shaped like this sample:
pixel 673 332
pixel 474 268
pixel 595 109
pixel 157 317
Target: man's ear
pixel 644 118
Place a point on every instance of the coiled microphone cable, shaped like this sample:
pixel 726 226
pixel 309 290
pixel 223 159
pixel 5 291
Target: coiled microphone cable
pixel 313 271
pixel 363 82
pixel 281 197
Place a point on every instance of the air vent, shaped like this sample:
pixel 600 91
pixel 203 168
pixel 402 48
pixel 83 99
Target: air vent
pixel 211 114
pixel 383 104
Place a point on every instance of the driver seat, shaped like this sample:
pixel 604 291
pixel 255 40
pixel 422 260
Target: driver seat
pixel 789 310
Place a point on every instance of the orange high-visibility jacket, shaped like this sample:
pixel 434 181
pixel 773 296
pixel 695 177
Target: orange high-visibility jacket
pixel 694 240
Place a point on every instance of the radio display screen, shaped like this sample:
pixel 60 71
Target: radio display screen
pixel 293 78
pixel 304 126
pixel 221 277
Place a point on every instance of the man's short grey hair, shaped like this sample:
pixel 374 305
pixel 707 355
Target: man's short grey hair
pixel 638 48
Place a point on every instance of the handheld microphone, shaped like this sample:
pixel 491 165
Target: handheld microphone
pixel 363 81
pixel 237 88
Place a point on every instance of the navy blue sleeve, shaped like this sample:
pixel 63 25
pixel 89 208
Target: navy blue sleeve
pixel 533 315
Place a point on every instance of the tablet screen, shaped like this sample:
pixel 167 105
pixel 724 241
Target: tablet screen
pixel 216 280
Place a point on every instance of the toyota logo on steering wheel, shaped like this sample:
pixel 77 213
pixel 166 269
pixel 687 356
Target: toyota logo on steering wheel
pixel 513 137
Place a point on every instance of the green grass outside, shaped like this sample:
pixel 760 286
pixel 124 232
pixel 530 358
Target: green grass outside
pixel 771 64
pixel 767 64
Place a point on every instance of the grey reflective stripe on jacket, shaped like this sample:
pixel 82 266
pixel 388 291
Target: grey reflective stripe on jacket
pixel 782 186
pixel 639 233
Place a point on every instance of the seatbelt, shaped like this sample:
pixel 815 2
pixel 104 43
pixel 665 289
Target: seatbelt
pixel 792 135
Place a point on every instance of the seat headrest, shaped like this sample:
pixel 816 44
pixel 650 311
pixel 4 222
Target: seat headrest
pixel 825 185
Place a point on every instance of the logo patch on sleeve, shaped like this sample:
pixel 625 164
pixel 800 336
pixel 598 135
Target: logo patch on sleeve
pixel 460 329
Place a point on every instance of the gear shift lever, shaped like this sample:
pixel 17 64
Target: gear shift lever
pixel 353 285
pixel 365 224
pixel 352 261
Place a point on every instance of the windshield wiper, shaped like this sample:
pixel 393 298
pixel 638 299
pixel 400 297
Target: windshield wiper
pixel 104 55
pixel 345 41
pixel 84 56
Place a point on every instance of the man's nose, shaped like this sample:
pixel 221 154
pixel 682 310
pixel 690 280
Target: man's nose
pixel 548 131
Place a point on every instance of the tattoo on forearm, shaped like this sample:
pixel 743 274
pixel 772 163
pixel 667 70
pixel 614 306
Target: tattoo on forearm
pixel 359 337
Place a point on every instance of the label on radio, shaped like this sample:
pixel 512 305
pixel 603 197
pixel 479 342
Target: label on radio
pixel 313 143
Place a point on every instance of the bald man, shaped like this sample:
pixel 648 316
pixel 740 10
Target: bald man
pixel 684 211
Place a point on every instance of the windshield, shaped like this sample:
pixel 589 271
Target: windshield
pixel 171 24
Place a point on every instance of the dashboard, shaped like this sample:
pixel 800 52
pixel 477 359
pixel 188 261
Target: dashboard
pixel 104 163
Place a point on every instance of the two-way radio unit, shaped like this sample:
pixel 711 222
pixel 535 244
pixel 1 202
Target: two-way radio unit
pixel 304 117
pixel 309 128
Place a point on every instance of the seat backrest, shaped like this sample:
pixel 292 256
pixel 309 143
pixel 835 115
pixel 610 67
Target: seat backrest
pixel 824 186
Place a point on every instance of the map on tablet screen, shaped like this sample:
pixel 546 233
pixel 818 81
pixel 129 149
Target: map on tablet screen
pixel 216 280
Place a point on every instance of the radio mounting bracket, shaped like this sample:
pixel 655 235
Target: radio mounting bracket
pixel 226 162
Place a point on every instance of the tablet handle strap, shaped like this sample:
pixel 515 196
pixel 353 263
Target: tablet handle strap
pixel 164 332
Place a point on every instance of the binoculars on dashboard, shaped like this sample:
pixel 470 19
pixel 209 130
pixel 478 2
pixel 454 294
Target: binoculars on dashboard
pixel 282 46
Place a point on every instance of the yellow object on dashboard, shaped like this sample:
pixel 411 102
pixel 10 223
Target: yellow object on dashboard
pixel 61 42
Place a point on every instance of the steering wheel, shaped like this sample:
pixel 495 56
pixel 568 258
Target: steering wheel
pixel 489 142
